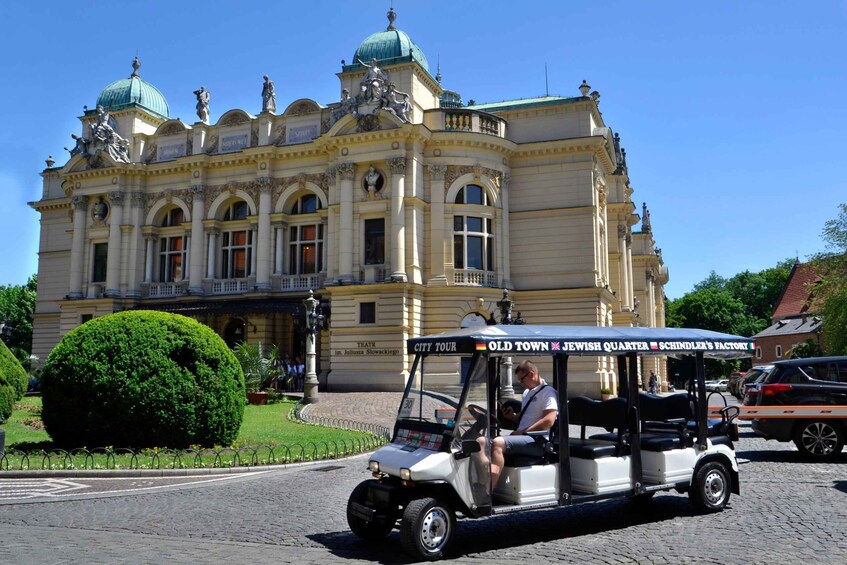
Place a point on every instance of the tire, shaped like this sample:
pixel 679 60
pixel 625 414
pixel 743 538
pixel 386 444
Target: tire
pixel 711 488
pixel 427 528
pixel 366 530
pixel 819 439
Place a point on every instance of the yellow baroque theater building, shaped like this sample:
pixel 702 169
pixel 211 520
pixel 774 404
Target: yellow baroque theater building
pixel 407 212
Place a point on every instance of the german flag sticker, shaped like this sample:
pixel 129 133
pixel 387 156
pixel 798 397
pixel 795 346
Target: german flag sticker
pixel 481 347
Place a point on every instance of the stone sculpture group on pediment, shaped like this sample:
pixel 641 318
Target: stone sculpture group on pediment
pixel 376 94
pixel 103 139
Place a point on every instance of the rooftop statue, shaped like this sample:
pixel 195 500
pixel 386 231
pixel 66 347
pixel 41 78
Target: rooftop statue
pixel 374 84
pixel 268 95
pixel 102 139
pixel 203 97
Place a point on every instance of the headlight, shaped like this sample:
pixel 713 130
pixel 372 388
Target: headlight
pixel 405 475
pixel 373 466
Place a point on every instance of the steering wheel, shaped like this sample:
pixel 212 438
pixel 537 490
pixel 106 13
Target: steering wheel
pixel 480 415
pixel 478 412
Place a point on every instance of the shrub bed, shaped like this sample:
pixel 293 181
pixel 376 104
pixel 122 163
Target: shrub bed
pixel 13 381
pixel 141 379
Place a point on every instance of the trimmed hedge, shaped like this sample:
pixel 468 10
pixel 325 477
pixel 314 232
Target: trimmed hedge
pixel 142 379
pixel 13 381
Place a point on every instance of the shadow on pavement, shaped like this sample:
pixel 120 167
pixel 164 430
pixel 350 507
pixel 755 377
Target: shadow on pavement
pixel 516 530
pixel 784 456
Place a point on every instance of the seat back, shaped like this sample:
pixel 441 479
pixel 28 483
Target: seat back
pixel 609 414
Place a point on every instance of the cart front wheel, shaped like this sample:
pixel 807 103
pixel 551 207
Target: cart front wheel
pixel 377 529
pixel 427 528
pixel 711 488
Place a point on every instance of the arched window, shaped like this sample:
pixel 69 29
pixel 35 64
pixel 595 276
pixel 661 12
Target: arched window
pixel 307 204
pixel 173 245
pixel 473 229
pixel 236 242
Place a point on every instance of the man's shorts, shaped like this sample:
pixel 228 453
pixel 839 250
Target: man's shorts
pixel 517 446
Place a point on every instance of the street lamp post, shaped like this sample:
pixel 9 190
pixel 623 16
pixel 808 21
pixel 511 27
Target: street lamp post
pixel 314 323
pixel 507 391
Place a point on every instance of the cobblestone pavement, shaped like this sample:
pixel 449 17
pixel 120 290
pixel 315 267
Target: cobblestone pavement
pixel 790 511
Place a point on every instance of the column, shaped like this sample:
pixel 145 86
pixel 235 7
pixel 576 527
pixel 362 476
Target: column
pixel 149 257
pixel 330 238
pixel 195 265
pixel 80 206
pixel 113 260
pixel 436 225
pixel 213 253
pixel 279 248
pixel 505 237
pixel 263 245
pixel 345 221
pixel 138 201
pixel 398 236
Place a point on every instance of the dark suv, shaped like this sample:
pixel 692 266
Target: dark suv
pixel 817 381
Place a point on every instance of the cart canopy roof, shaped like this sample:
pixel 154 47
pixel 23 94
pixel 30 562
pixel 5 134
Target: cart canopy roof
pixel 583 340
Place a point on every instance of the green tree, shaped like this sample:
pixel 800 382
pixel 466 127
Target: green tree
pixel 831 293
pixel 17 305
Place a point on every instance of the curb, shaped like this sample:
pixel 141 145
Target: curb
pixel 132 473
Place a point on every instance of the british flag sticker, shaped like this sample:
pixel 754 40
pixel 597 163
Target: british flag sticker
pixel 654 345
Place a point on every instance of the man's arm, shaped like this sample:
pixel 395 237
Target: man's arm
pixel 542 425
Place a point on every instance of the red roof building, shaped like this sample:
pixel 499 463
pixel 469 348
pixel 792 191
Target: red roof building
pixel 793 320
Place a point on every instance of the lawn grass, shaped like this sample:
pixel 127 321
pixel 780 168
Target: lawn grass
pixel 267 436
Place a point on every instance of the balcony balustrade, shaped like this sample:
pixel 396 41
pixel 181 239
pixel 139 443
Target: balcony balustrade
pixel 470 277
pixel 457 119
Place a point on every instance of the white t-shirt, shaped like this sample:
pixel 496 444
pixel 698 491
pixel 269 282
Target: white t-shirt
pixel 545 399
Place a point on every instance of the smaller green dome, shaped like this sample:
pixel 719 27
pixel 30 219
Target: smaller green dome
pixel 132 91
pixel 388 47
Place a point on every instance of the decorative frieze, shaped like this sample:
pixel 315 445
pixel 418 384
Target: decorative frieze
pixel 456 171
pixel 116 197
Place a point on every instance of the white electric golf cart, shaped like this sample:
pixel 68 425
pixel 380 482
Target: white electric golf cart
pixel 436 466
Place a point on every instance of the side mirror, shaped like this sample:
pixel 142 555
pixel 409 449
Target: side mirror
pixel 469 446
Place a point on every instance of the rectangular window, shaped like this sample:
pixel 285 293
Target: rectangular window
pixel 236 254
pixel 375 242
pixel 458 252
pixel 778 351
pixel 475 252
pixel 100 258
pixel 758 353
pixel 367 312
pixel 305 249
pixel 171 258
pixel 85 318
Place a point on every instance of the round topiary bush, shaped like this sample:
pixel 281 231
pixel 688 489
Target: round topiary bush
pixel 142 379
pixel 13 381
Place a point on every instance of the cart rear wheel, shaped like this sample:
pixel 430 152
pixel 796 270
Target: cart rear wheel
pixel 711 488
pixel 427 528
pixel 362 528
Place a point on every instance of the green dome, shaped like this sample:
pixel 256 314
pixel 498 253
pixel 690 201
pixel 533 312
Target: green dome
pixel 132 91
pixel 388 47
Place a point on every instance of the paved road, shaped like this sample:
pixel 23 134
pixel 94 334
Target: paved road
pixel 790 511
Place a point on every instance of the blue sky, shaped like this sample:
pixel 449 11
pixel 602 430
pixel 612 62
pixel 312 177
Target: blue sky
pixel 732 113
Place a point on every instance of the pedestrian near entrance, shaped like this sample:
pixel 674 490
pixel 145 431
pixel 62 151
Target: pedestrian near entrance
pixel 654 383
